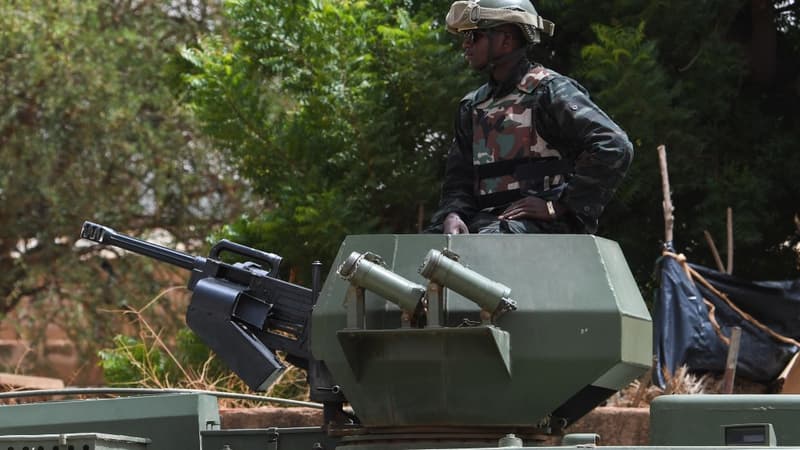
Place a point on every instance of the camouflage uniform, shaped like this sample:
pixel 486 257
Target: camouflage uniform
pixel 538 134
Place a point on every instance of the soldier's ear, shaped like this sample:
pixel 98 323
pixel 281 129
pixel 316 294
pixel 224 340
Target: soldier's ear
pixel 511 40
pixel 508 40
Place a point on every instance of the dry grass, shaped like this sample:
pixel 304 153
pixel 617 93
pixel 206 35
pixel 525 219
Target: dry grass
pixel 641 392
pixel 291 384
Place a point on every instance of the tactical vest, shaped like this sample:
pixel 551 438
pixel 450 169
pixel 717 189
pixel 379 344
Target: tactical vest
pixel 509 156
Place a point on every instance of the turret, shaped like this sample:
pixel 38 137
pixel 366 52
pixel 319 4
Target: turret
pixel 514 334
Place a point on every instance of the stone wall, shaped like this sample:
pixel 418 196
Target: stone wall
pixel 56 357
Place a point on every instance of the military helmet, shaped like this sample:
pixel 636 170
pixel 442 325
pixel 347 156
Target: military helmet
pixel 481 14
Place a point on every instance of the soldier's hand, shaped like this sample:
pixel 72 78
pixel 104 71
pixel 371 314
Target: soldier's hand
pixel 531 207
pixel 454 225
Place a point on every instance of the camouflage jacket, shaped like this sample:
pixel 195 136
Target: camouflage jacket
pixel 566 127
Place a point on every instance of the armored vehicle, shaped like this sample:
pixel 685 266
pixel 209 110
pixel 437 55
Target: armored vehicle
pixel 413 342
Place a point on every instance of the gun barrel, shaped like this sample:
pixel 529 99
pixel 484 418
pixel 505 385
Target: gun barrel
pixel 105 235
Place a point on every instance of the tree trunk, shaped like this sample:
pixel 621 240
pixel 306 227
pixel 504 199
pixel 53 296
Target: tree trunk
pixel 763 42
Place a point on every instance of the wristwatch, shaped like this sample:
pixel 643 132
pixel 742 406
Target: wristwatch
pixel 551 209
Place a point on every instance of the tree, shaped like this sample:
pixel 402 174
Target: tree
pixel 338 112
pixel 717 83
pixel 92 127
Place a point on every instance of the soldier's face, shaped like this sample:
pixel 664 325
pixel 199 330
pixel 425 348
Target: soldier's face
pixel 476 48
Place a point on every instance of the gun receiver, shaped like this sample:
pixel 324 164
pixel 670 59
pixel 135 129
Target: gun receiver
pixel 241 311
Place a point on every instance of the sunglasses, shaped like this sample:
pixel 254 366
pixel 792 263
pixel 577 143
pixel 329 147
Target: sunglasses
pixel 472 36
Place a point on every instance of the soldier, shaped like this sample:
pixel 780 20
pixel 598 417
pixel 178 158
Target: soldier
pixel 532 152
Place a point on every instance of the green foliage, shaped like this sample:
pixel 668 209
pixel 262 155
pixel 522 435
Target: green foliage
pixel 338 112
pixel 192 352
pixel 148 362
pixel 685 80
pixel 129 360
pixel 343 109
pixel 92 128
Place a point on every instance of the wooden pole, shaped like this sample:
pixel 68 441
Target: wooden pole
pixel 714 252
pixel 733 359
pixel 669 218
pixel 730 241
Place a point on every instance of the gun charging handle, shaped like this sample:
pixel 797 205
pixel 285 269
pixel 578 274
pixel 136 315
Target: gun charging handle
pixel 443 268
pixel 368 271
pixel 272 260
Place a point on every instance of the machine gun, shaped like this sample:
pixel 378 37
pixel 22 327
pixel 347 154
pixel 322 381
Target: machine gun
pixel 242 311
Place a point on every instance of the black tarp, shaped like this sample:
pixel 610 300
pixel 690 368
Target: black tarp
pixel 684 334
